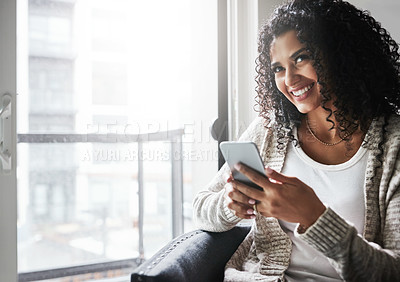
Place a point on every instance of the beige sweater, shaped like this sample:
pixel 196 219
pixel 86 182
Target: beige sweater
pixel 264 254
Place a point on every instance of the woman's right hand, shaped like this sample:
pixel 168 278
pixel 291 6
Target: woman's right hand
pixel 239 203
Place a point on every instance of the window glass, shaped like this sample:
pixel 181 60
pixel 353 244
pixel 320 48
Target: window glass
pixel 111 69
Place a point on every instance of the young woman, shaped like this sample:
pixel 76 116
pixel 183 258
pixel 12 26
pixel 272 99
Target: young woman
pixel 329 135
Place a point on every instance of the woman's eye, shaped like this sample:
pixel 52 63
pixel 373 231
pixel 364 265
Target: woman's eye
pixel 277 69
pixel 301 58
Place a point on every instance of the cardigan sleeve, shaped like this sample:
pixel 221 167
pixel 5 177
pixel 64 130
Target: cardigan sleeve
pixel 210 211
pixel 353 257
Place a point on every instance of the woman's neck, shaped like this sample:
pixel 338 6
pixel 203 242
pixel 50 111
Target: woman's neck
pixel 322 141
pixel 321 125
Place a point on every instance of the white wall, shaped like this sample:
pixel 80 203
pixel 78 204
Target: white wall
pixel 384 11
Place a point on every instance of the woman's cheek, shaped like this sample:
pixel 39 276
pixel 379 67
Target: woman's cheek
pixel 280 84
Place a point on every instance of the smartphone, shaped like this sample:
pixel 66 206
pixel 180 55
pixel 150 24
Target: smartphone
pixel 246 153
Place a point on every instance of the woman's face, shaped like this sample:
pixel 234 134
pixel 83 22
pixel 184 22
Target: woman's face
pixel 295 75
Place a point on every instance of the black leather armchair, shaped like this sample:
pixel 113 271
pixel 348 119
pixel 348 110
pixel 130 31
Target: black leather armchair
pixel 194 256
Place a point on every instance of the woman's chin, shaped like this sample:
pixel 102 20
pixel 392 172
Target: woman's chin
pixel 309 105
pixel 305 109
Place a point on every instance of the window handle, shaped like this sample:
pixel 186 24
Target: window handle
pixel 5 133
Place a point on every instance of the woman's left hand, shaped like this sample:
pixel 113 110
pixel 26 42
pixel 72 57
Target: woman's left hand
pixel 283 197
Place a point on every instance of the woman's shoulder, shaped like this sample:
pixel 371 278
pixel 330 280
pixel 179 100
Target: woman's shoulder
pixel 393 125
pixel 390 126
pixel 391 130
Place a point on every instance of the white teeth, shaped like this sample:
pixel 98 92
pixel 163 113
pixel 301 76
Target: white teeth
pixel 302 91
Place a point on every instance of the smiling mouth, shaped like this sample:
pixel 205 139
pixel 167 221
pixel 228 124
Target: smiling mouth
pixel 300 92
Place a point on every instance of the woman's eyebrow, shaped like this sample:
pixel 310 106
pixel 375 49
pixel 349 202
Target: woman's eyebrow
pixel 274 64
pixel 295 54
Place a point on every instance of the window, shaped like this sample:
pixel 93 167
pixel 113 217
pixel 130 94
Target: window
pixel 113 127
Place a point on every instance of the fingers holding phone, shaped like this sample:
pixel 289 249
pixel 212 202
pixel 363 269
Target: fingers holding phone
pixel 239 203
pixel 247 153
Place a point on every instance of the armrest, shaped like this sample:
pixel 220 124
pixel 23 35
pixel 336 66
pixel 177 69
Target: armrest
pixel 194 256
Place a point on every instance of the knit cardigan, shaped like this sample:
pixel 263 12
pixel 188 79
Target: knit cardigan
pixel 265 253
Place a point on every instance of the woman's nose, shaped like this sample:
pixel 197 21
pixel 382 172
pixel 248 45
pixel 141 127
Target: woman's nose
pixel 291 77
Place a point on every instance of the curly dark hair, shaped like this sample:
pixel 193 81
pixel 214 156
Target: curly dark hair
pixel 355 59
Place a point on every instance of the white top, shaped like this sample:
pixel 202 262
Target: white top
pixel 341 187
